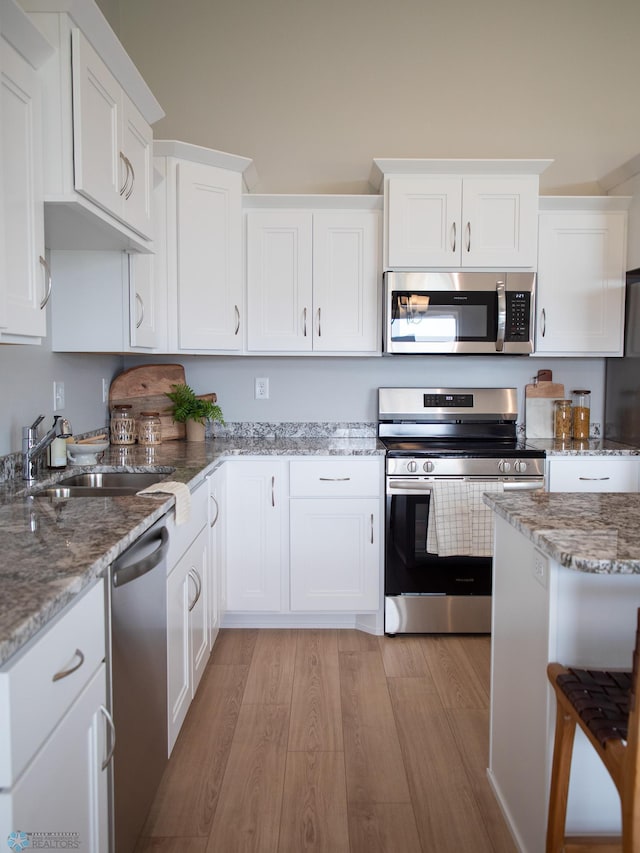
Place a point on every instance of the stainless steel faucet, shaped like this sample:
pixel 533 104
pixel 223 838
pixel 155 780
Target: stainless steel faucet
pixel 32 447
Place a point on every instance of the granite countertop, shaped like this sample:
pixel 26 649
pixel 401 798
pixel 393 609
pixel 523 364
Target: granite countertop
pixel 597 533
pixel 582 447
pixel 53 549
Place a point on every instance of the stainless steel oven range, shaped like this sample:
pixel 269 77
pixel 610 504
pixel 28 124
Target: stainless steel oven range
pixel 445 448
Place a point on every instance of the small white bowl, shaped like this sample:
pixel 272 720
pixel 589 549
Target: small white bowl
pixel 85 454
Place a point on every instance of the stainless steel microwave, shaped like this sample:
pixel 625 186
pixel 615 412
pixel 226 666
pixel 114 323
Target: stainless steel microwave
pixel 466 313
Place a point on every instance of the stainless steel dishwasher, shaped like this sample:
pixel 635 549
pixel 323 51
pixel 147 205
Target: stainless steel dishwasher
pixel 138 673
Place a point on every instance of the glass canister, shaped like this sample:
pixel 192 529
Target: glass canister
pixel 149 429
pixel 562 419
pixel 122 427
pixel 581 413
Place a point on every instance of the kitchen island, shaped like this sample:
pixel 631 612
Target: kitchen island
pixel 566 588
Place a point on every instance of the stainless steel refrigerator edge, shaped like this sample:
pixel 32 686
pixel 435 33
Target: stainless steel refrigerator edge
pixel 622 376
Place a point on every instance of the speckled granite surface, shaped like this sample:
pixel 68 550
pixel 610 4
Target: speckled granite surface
pixel 597 533
pixel 51 550
pixel 590 447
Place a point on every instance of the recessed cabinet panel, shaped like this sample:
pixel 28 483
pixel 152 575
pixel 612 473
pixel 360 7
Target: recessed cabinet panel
pixel 581 282
pixel 424 221
pixel 209 285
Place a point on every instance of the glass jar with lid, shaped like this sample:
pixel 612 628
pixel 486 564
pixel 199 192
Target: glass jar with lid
pixel 149 429
pixel 122 427
pixel 581 413
pixel 562 419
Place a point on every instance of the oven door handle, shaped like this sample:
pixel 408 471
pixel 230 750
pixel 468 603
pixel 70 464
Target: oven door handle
pixel 398 487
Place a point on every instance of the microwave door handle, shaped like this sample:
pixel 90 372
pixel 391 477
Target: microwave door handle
pixel 502 315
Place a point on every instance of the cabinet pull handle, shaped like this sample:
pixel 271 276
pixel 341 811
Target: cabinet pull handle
pixel 213 523
pixel 454 236
pixel 237 320
pixel 195 577
pixel 133 177
pixel 372 528
pixel 112 727
pixel 140 302
pixel 63 673
pixel 594 478
pixel 468 236
pixel 47 270
pixel 543 319
pixel 123 188
pixel 304 323
pixel 334 479
pixel 319 323
pixel 273 491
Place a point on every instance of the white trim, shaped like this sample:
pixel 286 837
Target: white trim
pixel 387 166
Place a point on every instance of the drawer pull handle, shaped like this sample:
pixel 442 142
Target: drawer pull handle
pixel 334 479
pixel 273 491
pixel 63 673
pixel 372 528
pixel 112 727
pixel 594 478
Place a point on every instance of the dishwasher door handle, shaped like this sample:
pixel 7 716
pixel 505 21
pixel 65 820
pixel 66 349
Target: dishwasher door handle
pixel 129 572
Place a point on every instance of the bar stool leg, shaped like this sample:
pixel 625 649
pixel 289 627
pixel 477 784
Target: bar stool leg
pixel 561 767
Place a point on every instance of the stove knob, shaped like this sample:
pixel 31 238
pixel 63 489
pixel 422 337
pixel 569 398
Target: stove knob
pixel 503 466
pixel 412 467
pixel 520 466
pixel 428 466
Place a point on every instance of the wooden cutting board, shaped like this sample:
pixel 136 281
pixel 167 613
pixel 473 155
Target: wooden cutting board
pixel 144 389
pixel 538 401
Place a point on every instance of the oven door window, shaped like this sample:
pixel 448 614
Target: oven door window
pixel 443 316
pixel 410 569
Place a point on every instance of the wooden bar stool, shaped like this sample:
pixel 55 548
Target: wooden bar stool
pixel 603 705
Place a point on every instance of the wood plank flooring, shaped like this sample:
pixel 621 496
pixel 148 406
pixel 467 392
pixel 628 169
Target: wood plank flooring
pixel 333 742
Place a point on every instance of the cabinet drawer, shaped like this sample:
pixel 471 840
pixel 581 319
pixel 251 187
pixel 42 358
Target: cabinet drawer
pixel 593 474
pixel 35 692
pixel 181 537
pixel 343 477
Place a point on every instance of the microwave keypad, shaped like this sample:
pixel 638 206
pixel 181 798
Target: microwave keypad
pixel 518 314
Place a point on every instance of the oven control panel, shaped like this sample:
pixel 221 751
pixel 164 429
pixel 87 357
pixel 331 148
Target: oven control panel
pixel 448 401
pixel 503 468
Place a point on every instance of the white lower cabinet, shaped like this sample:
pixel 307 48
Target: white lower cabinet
pixel 334 555
pixel 593 474
pixel 215 592
pixel 255 509
pixel 187 611
pixel 53 698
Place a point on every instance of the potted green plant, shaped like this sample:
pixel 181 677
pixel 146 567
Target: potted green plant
pixel 193 411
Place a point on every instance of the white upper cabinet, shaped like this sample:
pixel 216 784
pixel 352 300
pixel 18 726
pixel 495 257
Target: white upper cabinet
pixel 112 143
pixel 581 276
pixel 25 283
pixel 199 246
pixel 473 214
pixel 313 280
pixel 97 115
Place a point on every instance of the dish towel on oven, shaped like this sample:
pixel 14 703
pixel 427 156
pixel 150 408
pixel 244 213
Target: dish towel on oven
pixel 182 495
pixel 459 522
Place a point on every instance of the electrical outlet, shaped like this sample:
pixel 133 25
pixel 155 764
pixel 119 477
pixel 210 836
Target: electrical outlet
pixel 105 390
pixel 262 389
pixel 58 396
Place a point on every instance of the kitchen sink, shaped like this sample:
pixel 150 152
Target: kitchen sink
pixel 101 484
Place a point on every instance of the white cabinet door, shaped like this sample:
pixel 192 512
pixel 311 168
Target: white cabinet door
pixel 112 142
pixel 256 495
pixel 313 280
pixel 581 283
pixel 144 309
pixel 470 222
pixel 24 280
pixel 209 262
pixel 42 802
pixel 279 280
pixel 346 279
pixel 334 556
pixel 188 639
pixel 592 474
pixel 217 504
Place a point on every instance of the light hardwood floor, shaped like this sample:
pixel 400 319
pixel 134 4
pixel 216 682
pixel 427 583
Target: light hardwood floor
pixel 335 742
